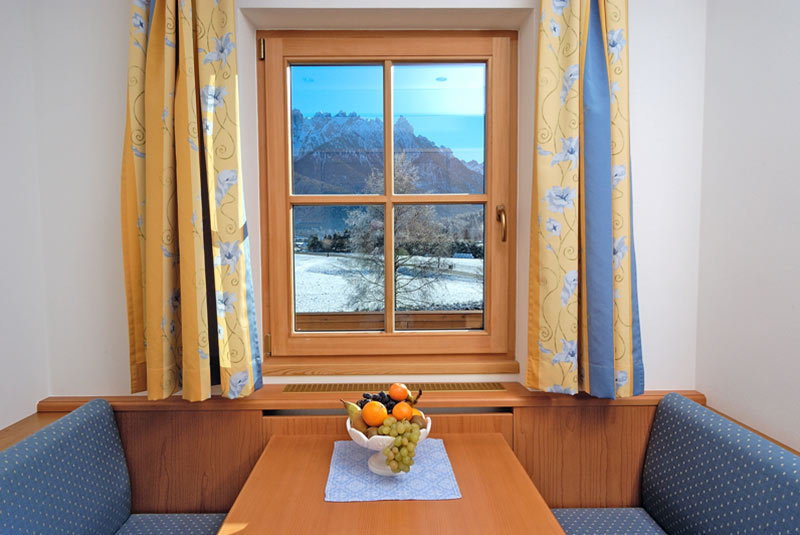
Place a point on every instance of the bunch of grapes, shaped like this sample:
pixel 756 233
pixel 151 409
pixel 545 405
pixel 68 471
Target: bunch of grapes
pixel 400 455
pixel 382 397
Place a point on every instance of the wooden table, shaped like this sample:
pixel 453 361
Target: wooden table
pixel 285 493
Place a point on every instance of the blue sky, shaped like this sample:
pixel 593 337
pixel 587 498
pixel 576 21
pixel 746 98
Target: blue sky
pixel 443 102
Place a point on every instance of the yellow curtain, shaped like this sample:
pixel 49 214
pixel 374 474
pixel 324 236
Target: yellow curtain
pixel 583 325
pixel 191 311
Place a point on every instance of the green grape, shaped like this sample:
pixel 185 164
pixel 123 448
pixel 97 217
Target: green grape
pixel 400 453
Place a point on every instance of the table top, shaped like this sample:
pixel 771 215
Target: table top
pixel 285 493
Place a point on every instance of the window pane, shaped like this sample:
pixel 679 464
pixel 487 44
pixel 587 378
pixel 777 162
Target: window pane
pixel 337 129
pixel 439 127
pixel 439 275
pixel 338 268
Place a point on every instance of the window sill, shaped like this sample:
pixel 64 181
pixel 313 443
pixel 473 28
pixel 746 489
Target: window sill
pixel 388 365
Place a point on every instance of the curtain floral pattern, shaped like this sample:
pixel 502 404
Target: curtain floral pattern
pixel 583 325
pixel 191 309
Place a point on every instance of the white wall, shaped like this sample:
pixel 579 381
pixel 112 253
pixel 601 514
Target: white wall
pixel 80 64
pixel 80 100
pixel 666 78
pixel 23 330
pixel 748 362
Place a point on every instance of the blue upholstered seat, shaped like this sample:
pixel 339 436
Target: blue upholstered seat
pixel 206 524
pixel 67 478
pixel 71 478
pixel 607 521
pixel 705 474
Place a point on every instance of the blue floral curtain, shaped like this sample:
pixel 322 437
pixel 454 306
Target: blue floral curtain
pixel 583 324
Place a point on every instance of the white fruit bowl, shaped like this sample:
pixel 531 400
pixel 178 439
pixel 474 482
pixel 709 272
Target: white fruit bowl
pixel 377 462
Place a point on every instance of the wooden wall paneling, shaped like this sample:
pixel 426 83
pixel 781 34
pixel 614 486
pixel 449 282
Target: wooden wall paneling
pixel 189 462
pixel 584 456
pixel 498 422
pixel 332 425
pixel 440 424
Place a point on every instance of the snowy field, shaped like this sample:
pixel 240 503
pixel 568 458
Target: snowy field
pixel 322 285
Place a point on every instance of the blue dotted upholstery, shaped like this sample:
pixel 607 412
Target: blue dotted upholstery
pixel 195 524
pixel 67 478
pixel 608 521
pixel 704 474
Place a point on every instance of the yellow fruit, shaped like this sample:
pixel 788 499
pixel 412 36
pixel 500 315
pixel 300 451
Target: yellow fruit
pixel 418 412
pixel 374 413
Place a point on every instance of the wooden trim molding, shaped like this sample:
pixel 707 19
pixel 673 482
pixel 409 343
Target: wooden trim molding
pixel 26 427
pixel 272 397
pixel 381 365
pixel 374 321
pixel 756 431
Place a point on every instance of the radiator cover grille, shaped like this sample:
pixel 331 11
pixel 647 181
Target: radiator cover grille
pixel 377 387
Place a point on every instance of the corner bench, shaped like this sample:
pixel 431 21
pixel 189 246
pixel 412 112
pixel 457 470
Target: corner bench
pixel 703 474
pixel 71 478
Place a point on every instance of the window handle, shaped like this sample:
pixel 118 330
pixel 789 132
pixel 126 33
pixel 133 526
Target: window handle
pixel 501 216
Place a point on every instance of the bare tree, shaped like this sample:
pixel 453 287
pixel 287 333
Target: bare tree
pixel 422 245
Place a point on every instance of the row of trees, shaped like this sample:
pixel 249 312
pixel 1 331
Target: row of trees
pixel 340 243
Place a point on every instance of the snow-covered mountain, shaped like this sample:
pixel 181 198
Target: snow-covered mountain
pixel 336 153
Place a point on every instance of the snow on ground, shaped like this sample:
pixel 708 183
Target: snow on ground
pixel 322 285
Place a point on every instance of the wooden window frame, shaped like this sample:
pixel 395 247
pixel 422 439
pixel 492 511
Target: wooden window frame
pixel 466 351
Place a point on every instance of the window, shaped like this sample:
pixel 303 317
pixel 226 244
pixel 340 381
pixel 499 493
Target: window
pixel 388 200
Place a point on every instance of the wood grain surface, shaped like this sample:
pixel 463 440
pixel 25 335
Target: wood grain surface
pixel 584 456
pixel 272 397
pixel 441 424
pixel 188 462
pixel 26 427
pixel 286 494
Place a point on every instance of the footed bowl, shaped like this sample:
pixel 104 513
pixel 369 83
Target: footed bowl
pixel 377 462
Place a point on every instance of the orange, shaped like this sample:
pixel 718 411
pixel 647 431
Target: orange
pixel 418 412
pixel 398 392
pixel 402 411
pixel 374 413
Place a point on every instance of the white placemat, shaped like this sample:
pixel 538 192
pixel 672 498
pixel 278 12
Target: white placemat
pixel 431 477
